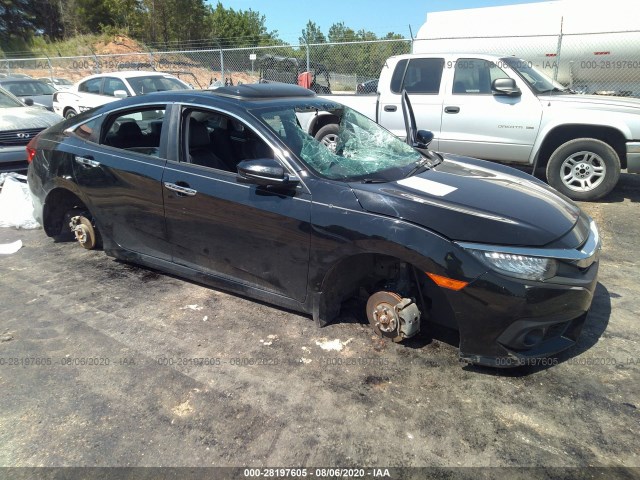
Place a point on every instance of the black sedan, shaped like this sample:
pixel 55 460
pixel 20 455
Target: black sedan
pixel 225 188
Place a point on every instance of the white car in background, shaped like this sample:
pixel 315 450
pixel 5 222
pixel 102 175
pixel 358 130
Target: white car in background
pixel 102 88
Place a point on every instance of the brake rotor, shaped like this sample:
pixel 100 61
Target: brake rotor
pixel 84 232
pixel 383 314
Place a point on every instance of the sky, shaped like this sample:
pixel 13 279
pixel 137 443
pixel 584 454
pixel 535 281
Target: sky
pixel 289 17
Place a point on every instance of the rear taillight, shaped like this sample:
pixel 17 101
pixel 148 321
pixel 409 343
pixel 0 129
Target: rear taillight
pixel 31 148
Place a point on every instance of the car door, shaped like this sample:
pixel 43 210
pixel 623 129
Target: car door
pixel 118 161
pixel 478 123
pixel 248 234
pixel 422 79
pixel 90 95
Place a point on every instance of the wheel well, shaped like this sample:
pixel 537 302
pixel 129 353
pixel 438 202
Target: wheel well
pixel 66 109
pixel 363 274
pixel 57 203
pixel 564 133
pixel 323 120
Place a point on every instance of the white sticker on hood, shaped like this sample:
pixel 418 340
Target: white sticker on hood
pixel 427 186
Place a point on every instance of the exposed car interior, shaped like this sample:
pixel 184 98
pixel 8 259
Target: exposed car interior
pixel 136 131
pixel 220 142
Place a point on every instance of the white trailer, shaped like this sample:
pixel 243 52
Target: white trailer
pixel 593 47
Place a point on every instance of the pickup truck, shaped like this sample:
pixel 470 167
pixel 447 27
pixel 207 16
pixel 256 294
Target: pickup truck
pixel 504 109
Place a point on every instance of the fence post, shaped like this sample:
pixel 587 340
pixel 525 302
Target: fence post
pixel 558 51
pixel 50 66
pixel 153 67
pixel 222 65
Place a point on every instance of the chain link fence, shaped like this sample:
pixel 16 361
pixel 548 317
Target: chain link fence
pixel 602 63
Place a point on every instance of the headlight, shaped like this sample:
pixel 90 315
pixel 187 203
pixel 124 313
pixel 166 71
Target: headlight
pixel 519 266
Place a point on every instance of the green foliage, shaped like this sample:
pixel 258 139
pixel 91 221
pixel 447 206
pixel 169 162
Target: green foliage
pixel 181 24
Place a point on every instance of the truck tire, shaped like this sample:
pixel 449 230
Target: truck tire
pixel 584 169
pixel 328 136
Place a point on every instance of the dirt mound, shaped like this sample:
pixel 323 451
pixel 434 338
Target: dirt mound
pixel 119 44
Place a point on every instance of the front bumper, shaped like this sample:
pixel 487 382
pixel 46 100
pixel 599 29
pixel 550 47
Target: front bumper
pixel 633 157
pixel 521 323
pixel 508 322
pixel 13 159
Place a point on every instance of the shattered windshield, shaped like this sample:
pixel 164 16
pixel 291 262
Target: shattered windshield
pixel 538 81
pixel 362 149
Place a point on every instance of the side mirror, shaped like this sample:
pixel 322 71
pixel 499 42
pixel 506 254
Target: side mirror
pixel 505 86
pixel 423 138
pixel 265 172
pixel 28 102
pixel 120 94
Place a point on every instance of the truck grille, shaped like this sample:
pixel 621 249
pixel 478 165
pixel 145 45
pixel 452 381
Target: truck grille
pixel 18 137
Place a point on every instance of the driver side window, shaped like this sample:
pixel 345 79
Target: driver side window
pixel 475 76
pixel 214 140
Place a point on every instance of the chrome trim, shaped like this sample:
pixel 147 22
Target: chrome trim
pixel 190 192
pixel 582 257
pixel 89 162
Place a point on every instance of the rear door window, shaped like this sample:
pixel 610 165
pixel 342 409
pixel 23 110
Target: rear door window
pixel 90 86
pixel 421 75
pixel 135 130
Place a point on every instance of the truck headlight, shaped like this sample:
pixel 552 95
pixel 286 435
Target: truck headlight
pixel 519 266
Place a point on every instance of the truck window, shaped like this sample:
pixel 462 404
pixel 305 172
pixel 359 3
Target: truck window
pixel 474 76
pixel 422 75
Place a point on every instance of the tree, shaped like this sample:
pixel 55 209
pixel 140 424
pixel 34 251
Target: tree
pixel 17 20
pixel 312 34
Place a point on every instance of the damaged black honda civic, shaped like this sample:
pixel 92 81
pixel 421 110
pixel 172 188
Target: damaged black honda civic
pixel 230 188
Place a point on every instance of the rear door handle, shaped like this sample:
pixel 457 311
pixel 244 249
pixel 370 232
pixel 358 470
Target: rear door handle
pixel 390 108
pixel 87 161
pixel 451 109
pixel 180 190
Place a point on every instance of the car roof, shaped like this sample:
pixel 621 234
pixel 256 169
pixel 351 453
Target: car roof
pixel 19 80
pixel 124 74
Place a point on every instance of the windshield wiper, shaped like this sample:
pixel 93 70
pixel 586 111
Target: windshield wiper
pixel 425 163
pixel 374 180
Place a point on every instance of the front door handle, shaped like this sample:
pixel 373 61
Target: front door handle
pixel 181 190
pixel 390 108
pixel 87 161
pixel 451 109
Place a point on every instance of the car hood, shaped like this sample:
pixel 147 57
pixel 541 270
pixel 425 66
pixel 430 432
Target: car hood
pixel 17 118
pixel 600 102
pixel 471 200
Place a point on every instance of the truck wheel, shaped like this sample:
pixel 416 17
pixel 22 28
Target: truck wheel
pixel 70 113
pixel 328 136
pixel 584 169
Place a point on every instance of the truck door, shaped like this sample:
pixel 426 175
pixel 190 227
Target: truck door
pixel 422 79
pixel 478 123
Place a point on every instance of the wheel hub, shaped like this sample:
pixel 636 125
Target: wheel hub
pixel 582 170
pixel 81 233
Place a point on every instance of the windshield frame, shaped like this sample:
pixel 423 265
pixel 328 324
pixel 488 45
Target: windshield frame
pixel 518 65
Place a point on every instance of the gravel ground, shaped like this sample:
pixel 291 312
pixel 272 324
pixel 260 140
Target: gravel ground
pixel 97 369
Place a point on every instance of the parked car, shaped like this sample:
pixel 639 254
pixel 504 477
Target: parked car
pixel 370 86
pixel 17 75
pixel 57 83
pixel 102 88
pixel 504 109
pixel 19 123
pixel 30 91
pixel 224 187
